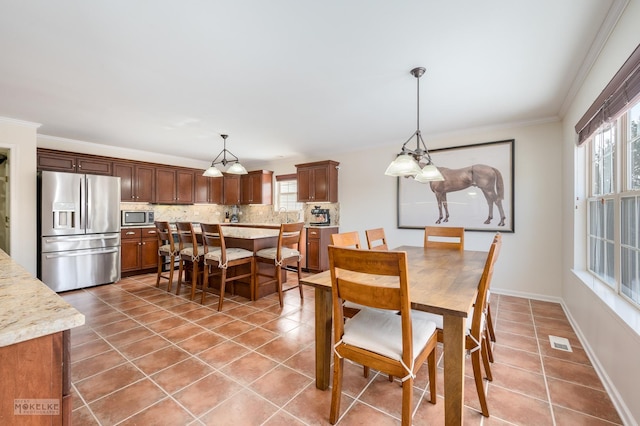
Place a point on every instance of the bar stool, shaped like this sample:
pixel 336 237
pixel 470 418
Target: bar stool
pixel 286 255
pixel 216 254
pixel 190 254
pixel 167 252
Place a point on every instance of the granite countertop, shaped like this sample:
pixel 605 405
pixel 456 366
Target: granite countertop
pixel 28 308
pixel 249 233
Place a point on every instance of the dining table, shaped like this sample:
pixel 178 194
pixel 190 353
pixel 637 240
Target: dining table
pixel 441 281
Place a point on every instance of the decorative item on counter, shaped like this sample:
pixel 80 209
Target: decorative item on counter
pixel 226 217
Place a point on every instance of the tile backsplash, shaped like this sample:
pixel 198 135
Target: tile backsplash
pixel 214 213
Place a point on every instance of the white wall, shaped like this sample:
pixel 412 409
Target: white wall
pixel 615 346
pixel 20 138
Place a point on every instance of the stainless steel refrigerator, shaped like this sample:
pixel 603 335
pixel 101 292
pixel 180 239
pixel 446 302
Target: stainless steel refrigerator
pixel 79 230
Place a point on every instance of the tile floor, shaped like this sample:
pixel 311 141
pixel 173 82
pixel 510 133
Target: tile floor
pixel 148 357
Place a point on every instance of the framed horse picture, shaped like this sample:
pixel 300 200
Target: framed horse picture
pixel 477 191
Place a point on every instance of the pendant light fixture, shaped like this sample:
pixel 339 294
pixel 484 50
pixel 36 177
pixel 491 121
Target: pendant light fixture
pixel 415 163
pixel 216 170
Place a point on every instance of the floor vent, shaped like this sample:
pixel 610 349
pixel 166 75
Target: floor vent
pixel 560 343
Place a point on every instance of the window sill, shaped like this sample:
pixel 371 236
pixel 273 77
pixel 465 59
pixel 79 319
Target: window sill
pixel 622 308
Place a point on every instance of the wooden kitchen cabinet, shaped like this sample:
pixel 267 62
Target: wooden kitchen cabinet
pixel 60 161
pixel 174 186
pixel 318 182
pixel 256 187
pixel 138 250
pixel 318 239
pixel 231 191
pixel 208 189
pixel 137 181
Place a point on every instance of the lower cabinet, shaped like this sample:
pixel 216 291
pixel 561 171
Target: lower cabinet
pixel 318 239
pixel 138 251
pixel 36 381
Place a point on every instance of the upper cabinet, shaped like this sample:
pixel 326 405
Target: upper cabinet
pixel 60 161
pixel 174 186
pixel 318 182
pixel 208 189
pixel 137 181
pixel 256 187
pixel 231 191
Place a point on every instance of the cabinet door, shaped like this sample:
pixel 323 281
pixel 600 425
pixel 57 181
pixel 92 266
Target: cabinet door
pixel 231 193
pixel 313 253
pixel 145 179
pixel 185 183
pixel 320 184
pixel 95 166
pixel 125 172
pixel 216 190
pixel 149 251
pixel 246 189
pixel 130 255
pixel 304 185
pixel 165 186
pixel 57 162
pixel 203 187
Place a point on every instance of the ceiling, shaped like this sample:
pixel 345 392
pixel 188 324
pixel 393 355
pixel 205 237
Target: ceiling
pixel 290 78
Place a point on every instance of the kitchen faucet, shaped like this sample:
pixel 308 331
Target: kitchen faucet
pixel 286 213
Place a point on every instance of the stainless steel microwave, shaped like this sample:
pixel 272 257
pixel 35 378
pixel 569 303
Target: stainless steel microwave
pixel 137 217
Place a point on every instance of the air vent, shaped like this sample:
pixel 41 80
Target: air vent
pixel 560 343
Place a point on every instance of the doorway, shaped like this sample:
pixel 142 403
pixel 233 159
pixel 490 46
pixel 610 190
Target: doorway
pixel 5 198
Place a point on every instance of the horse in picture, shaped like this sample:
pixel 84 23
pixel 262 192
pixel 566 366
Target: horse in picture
pixel 487 178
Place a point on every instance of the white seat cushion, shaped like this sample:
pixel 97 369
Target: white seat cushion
pixel 271 252
pixel 381 332
pixel 438 320
pixel 166 250
pixel 188 251
pixel 232 254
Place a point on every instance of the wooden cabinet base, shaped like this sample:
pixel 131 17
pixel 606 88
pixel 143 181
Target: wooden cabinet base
pixel 33 382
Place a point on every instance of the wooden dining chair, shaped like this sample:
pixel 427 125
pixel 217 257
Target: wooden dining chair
pixel 346 239
pixel 285 256
pixel 190 255
pixel 167 253
pixel 476 336
pixel 376 239
pixel 228 261
pixel 492 333
pixel 442 237
pixel 379 338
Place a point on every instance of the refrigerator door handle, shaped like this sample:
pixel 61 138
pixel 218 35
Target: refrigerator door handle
pixel 83 208
pixel 89 205
pixel 79 253
pixel 81 238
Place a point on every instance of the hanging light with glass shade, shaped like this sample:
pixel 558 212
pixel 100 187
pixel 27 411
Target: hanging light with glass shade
pixel 415 163
pixel 218 166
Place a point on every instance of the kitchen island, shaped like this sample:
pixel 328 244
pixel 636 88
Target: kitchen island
pixel 34 349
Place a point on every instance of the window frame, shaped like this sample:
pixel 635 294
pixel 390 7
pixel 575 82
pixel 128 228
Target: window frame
pixel 277 205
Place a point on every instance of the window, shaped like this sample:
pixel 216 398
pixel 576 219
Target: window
pixel 287 193
pixel 614 204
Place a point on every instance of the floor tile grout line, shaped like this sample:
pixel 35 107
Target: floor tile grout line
pixel 544 374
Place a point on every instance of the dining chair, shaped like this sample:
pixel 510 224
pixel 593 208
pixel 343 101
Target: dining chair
pixel 285 255
pixel 346 239
pixel 376 239
pixel 228 260
pixel 167 253
pixel 190 255
pixel 380 338
pixel 475 331
pixel 445 237
pixel 492 333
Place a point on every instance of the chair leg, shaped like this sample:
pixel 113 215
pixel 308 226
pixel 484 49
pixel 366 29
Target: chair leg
pixel 223 282
pixel 171 267
pixel 299 280
pixel 433 371
pixel 487 339
pixel 205 282
pixel 160 260
pixel 407 401
pixel 492 333
pixel 180 270
pixel 278 271
pixel 194 278
pixel 336 392
pixel 477 376
pixel 485 359
pixel 252 280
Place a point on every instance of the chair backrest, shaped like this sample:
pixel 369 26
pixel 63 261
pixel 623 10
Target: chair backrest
pixel 354 274
pixel 445 237
pixel 165 236
pixel 212 236
pixel 346 239
pixel 374 236
pixel 187 236
pixel 290 235
pixel 483 287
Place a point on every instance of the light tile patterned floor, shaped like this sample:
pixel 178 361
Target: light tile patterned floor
pixel 148 357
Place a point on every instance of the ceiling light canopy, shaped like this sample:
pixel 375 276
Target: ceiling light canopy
pixel 415 163
pixel 219 166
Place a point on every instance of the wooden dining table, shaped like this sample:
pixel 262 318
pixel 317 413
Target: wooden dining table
pixel 442 282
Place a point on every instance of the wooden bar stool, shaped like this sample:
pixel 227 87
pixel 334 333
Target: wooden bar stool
pixel 167 253
pixel 286 255
pixel 190 255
